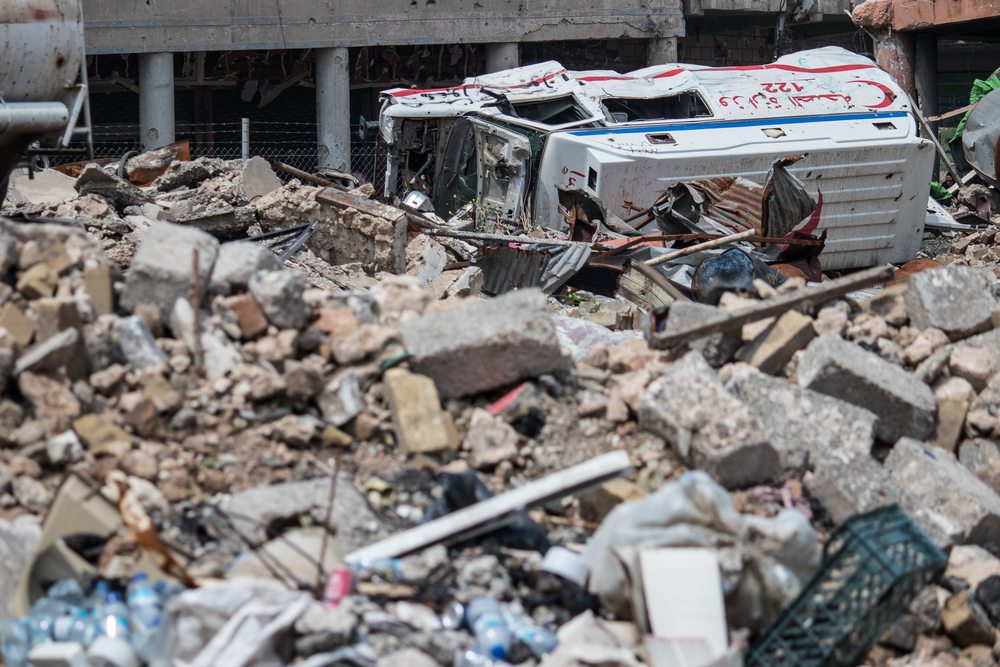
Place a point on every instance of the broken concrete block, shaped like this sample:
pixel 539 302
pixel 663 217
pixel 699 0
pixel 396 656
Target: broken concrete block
pixel 257 179
pixel 964 620
pixel 956 299
pixel 950 423
pixel 598 502
pixel 38 281
pixel 162 269
pixel 47 187
pixel 51 400
pixel 45 249
pixel 483 346
pixel 336 322
pixel 17 541
pixel 279 295
pixel 17 323
pixel 491 440
pixel 31 494
pixel 718 348
pixel 942 496
pixel 804 426
pixel 219 354
pixel 983 418
pixel 50 354
pixel 249 319
pixel 121 193
pixel 421 425
pixel 55 315
pixel 324 630
pixel 973 364
pixel 459 283
pixel 927 343
pixel 978 452
pixel 99 435
pixel 774 348
pixel 904 406
pixel 137 344
pixel 341 400
pixel 710 429
pixel 352 229
pixel 99 285
pixel 237 262
pixel 64 448
pixel 425 259
pixel 304 379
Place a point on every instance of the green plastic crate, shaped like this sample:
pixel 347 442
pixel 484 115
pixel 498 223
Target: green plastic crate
pixel 873 566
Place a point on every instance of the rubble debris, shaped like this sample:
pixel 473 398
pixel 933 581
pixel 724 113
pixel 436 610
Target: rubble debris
pixel 932 300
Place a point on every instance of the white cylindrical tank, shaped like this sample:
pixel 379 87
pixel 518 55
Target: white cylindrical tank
pixel 41 49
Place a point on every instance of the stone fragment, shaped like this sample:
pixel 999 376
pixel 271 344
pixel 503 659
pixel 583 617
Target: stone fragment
pixel 717 348
pixel 294 431
pixel 17 541
pixel 831 321
pixel 425 259
pixel 99 285
pixel 105 381
pixel 340 400
pixel 45 249
pixel 324 630
pixel 361 343
pixel 978 452
pixel 118 191
pixel 459 283
pixel 334 437
pixel 950 422
pixel 973 364
pixel 972 564
pixel 17 323
pixel 50 354
pixel 304 379
pixel 249 319
pixel 420 423
pixel 904 406
pixel 162 269
pixel 983 418
pixel 279 295
pixel 51 400
pixel 139 412
pixel 710 430
pixel 38 281
pixel 963 619
pixel 957 388
pixel 598 502
pixel 64 448
pixel 774 348
pixel 483 346
pixel 335 322
pixel 99 435
pixel 237 262
pixel 942 496
pixel 32 494
pixel 137 344
pixel 289 503
pixel 257 179
pixel 929 341
pixel 55 315
pixel 630 355
pixel 805 427
pixel 956 299
pixel 490 440
pixel 140 464
pixel 407 657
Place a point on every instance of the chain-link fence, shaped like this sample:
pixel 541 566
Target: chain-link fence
pixel 285 131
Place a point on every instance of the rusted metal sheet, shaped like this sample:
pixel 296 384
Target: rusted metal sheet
pixel 506 268
pixel 735 200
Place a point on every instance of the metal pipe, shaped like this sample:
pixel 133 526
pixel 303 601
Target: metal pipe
pixel 74 116
pixel 33 117
pixel 156 100
pixel 708 245
pixel 245 140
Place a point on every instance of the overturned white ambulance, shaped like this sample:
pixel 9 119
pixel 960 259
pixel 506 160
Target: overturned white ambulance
pixel 507 141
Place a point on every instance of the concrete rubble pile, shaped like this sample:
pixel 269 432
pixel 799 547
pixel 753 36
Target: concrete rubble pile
pixel 267 424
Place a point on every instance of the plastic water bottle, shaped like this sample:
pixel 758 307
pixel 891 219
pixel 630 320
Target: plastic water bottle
pixel 486 621
pixel 69 591
pixel 453 616
pixel 114 616
pixel 98 596
pixel 475 657
pixel 15 641
pixel 144 604
pixel 77 626
pixel 538 640
pixel 388 569
pixel 42 617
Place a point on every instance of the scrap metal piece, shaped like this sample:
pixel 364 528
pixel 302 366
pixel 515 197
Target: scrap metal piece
pixel 981 138
pixel 284 242
pixel 487 515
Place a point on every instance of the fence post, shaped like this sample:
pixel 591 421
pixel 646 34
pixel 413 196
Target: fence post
pixel 246 139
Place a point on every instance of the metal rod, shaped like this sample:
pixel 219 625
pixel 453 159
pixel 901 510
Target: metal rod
pixel 503 238
pixel 734 320
pixel 937 144
pixel 305 176
pixel 708 245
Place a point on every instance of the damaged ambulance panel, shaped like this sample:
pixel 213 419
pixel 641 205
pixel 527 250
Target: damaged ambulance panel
pixel 506 141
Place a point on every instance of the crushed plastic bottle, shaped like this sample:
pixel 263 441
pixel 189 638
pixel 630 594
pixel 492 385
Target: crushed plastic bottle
pixel 388 569
pixel 144 604
pixel 476 657
pixel 453 616
pixel 69 591
pixel 15 641
pixel 42 617
pixel 114 617
pixel 97 596
pixel 538 640
pixel 486 620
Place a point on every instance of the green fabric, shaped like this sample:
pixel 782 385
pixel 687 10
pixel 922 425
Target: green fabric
pixel 938 191
pixel 979 90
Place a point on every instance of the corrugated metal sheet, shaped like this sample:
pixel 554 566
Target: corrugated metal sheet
pixel 506 268
pixel 735 200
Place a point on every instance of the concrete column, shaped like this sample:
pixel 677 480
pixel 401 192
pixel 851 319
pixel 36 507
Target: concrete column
pixel 662 51
pixel 156 100
pixel 333 110
pixel 894 54
pixel 926 83
pixel 501 56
